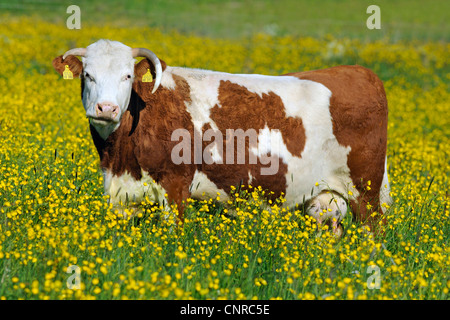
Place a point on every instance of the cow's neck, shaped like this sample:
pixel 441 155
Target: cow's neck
pixel 117 150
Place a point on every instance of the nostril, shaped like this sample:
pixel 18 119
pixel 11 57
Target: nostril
pixel 107 110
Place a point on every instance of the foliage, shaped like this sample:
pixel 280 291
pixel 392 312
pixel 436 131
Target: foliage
pixel 53 214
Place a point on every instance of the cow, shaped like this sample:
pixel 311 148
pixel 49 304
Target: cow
pixel 317 138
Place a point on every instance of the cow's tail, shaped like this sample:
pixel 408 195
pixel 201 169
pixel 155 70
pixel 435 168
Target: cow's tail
pixel 385 190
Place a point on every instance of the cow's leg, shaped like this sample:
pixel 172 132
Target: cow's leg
pixel 373 201
pixel 177 193
pixel 328 207
pixel 368 210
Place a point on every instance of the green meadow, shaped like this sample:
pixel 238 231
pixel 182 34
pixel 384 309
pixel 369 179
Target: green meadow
pixel 56 224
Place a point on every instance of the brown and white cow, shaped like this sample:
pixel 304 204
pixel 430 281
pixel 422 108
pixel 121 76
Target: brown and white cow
pixel 322 133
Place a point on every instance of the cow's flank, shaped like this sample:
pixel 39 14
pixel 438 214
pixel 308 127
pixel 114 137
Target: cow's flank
pixel 314 137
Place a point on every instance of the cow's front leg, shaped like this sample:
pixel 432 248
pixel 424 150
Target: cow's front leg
pixel 177 190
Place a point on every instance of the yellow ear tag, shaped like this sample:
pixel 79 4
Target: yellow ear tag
pixel 67 74
pixel 147 77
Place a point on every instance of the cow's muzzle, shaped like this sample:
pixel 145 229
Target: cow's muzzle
pixel 105 113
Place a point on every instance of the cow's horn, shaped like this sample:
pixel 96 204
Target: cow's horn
pixel 142 52
pixel 75 52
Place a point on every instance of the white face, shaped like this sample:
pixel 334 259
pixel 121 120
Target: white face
pixel 108 71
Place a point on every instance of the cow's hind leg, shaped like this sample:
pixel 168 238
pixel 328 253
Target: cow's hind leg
pixel 372 203
pixel 328 208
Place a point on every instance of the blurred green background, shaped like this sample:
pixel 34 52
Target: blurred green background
pixel 401 19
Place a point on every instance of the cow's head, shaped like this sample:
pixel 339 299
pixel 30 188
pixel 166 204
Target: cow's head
pixel 107 73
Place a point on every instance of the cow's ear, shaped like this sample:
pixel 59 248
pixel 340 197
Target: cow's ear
pixel 75 65
pixel 141 67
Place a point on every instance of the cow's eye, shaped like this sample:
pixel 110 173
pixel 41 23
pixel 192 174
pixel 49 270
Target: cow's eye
pixel 126 77
pixel 88 76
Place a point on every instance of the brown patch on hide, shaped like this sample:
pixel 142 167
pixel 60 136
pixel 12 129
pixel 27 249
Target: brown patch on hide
pixel 241 108
pixel 245 110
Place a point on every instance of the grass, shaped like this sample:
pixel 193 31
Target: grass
pixel 53 214
pixel 401 19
